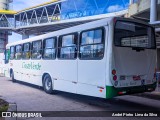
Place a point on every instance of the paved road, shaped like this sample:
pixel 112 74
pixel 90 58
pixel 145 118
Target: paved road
pixel 29 98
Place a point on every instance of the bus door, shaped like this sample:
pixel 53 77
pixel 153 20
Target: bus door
pixel 91 63
pixel 66 65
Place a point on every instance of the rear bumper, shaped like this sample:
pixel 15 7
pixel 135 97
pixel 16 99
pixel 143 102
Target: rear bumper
pixel 111 91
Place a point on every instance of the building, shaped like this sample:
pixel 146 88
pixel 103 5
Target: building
pixel 4 6
pixel 149 11
pixel 60 14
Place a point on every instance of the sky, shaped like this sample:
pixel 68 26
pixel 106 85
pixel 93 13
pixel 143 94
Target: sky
pixel 20 5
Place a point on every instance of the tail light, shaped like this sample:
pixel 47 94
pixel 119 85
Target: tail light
pixel 114 72
pixel 114 77
pixel 122 92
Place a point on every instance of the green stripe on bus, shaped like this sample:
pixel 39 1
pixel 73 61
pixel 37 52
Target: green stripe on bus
pixel 111 91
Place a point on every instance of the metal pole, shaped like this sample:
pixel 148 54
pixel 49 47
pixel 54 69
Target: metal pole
pixel 153 11
pixel 153 18
pixel 131 2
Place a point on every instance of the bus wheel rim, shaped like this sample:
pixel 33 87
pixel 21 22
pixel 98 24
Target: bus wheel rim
pixel 48 84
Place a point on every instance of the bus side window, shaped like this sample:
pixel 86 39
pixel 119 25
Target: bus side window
pixel 49 48
pixel 18 54
pixel 37 49
pixel 26 51
pixel 12 52
pixel 67 46
pixel 92 44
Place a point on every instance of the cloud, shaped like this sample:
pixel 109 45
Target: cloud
pixel 114 8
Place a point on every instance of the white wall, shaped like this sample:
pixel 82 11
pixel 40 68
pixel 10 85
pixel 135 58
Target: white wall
pixel 4 4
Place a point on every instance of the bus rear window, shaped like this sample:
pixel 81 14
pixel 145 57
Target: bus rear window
pixel 130 34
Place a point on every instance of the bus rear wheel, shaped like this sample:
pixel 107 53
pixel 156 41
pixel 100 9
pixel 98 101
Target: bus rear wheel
pixel 47 84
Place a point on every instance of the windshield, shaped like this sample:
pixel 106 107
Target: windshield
pixel 131 34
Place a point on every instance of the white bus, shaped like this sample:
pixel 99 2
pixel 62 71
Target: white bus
pixel 4 68
pixel 103 58
pixel 2 65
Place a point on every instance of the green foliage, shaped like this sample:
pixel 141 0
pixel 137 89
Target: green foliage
pixel 3 106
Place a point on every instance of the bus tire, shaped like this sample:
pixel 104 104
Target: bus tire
pixel 47 84
pixel 12 76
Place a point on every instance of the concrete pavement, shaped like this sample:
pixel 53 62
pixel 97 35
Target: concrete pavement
pixel 31 98
pixel 152 95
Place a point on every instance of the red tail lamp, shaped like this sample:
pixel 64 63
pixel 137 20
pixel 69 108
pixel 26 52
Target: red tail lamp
pixel 122 92
pixel 114 72
pixel 114 77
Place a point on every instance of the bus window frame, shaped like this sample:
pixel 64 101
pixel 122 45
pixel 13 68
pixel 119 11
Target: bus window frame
pixel 11 52
pixel 43 48
pixel 59 43
pixel 136 22
pixel 27 51
pixel 103 42
pixel 20 52
pixel 32 49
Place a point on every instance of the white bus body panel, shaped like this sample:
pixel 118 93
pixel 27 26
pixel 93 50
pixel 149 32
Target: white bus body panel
pixel 27 75
pixel 64 74
pixel 2 65
pixel 144 67
pixel 91 90
pixel 93 74
pixel 4 68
